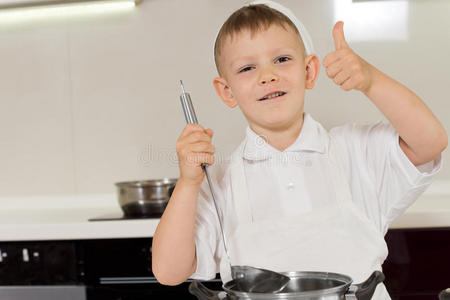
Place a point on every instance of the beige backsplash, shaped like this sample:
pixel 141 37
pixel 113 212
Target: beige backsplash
pixel 86 103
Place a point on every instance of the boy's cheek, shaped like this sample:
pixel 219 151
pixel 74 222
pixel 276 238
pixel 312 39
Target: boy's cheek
pixel 244 78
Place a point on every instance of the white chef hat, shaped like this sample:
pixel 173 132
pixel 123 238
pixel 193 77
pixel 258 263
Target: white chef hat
pixel 306 38
pixel 304 34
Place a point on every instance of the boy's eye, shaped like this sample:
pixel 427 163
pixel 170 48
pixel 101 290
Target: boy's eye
pixel 245 69
pixel 282 59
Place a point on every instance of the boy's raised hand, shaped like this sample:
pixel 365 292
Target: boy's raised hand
pixel 344 66
pixel 194 148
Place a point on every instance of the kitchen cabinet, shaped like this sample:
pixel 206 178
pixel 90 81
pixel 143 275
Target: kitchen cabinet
pixel 96 269
pixel 418 264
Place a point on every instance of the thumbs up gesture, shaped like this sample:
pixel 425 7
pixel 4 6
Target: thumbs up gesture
pixel 344 66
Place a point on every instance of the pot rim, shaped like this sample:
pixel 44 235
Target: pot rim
pixel 147 183
pixel 340 289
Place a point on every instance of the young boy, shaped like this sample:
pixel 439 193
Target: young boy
pixel 294 197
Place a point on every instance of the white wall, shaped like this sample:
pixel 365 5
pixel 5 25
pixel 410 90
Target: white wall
pixel 88 102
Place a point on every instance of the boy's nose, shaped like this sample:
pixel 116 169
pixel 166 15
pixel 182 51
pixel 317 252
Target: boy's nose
pixel 266 80
pixel 268 76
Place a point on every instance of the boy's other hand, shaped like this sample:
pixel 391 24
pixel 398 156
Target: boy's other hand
pixel 344 66
pixel 194 148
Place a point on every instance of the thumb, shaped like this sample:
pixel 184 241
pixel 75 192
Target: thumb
pixel 338 36
pixel 209 132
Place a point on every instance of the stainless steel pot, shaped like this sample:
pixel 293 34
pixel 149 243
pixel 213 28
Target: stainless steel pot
pixel 303 285
pixel 445 294
pixel 145 198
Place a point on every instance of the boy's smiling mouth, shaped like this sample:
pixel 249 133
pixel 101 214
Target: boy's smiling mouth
pixel 272 95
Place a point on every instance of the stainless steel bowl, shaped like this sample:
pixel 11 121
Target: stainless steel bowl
pixel 146 198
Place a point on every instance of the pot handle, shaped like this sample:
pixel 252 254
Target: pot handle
pixel 199 290
pixel 445 294
pixel 365 290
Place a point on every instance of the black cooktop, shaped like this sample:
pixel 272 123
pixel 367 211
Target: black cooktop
pixel 122 217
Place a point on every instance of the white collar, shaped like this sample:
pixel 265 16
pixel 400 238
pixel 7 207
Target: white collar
pixel 312 137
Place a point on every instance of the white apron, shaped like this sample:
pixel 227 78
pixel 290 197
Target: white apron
pixel 333 238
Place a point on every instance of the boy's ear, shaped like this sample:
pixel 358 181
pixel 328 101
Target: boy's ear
pixel 224 91
pixel 312 70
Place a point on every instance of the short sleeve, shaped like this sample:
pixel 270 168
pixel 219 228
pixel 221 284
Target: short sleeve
pixel 384 182
pixel 412 180
pixel 205 236
pixel 208 239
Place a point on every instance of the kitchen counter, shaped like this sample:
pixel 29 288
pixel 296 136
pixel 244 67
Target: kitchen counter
pixel 66 217
pixel 426 212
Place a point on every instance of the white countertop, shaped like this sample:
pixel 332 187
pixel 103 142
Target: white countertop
pixel 66 217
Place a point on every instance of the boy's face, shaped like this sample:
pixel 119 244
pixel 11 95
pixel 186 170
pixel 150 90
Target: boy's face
pixel 266 76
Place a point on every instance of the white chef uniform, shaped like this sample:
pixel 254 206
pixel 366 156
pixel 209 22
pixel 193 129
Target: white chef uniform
pixel 322 204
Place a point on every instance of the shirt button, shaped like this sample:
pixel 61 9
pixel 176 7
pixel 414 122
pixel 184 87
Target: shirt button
pixel 290 186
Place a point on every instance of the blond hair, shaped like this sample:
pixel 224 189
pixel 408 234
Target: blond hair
pixel 253 18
